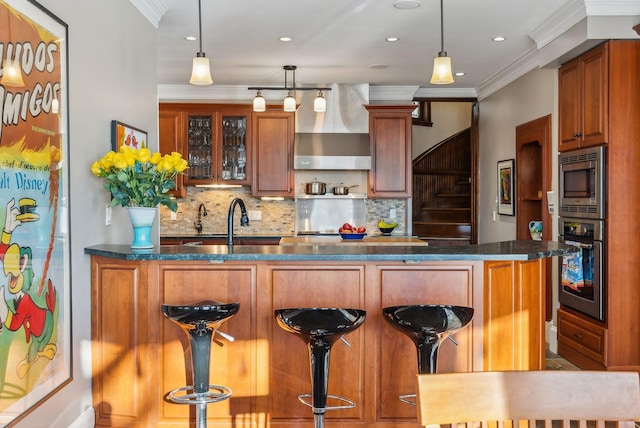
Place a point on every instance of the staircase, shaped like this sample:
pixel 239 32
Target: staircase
pixel 442 192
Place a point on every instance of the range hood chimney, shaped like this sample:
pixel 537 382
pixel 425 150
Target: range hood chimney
pixel 332 151
pixel 337 139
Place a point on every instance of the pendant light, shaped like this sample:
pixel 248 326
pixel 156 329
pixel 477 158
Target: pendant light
pixel 289 103
pixel 201 70
pixel 442 63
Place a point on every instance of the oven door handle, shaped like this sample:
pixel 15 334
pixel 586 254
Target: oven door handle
pixel 579 244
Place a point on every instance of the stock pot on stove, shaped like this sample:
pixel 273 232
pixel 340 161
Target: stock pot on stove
pixel 315 188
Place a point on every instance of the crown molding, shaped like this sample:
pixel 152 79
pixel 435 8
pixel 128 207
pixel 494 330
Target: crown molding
pixel 212 93
pixel 522 65
pixel 392 93
pixel 612 7
pixel 153 10
pixel 558 23
pixel 445 92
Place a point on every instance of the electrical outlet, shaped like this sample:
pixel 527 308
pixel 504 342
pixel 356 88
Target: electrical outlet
pixel 174 216
pixel 107 216
pixel 392 213
pixel 255 215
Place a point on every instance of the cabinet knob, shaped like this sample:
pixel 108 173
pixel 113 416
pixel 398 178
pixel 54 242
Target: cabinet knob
pixel 577 335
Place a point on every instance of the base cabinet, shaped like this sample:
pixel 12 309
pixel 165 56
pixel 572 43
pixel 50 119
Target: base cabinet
pixel 139 356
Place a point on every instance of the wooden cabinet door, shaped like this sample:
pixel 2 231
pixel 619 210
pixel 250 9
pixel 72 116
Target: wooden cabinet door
pixel 170 140
pixel 232 364
pixel 390 133
pixel 583 88
pixel 595 98
pixel 570 99
pixel 398 364
pixel 289 365
pixel 273 133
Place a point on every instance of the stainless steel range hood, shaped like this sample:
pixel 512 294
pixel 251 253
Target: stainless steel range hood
pixel 335 151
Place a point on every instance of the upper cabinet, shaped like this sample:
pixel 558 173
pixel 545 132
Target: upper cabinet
pixel 390 134
pixel 272 148
pixel 583 86
pixel 215 140
pixel 170 140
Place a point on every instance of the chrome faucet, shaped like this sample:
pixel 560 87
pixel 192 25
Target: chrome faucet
pixel 244 219
pixel 202 211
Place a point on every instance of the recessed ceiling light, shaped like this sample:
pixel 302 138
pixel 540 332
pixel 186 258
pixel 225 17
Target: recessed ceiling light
pixel 392 39
pixel 191 38
pixel 460 73
pixel 378 66
pixel 285 39
pixel 407 4
pixel 499 39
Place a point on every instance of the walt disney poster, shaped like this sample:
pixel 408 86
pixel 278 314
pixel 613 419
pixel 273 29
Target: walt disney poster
pixel 35 324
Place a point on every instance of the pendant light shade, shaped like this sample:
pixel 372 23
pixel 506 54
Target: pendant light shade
pixel 289 103
pixel 320 103
pixel 259 104
pixel 201 69
pixel 442 63
pixel 441 70
pixel 11 74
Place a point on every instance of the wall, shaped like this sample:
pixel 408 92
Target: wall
pixel 532 96
pixel 111 76
pixel 448 119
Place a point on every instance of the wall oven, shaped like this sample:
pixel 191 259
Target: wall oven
pixel 582 183
pixel 582 284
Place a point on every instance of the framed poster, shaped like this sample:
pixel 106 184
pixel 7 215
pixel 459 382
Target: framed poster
pixel 506 201
pixel 35 280
pixel 126 135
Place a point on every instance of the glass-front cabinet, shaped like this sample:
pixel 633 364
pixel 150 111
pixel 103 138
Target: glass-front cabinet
pixel 217 146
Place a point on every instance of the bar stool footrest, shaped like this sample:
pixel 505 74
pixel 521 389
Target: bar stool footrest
pixel 215 394
pixel 350 403
pixel 408 398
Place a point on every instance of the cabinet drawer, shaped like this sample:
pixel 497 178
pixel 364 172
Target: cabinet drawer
pixel 584 336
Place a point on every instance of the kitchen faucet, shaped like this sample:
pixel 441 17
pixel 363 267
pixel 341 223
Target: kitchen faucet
pixel 244 219
pixel 202 211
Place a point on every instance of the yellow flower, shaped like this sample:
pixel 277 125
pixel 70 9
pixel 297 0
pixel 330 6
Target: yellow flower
pixel 143 155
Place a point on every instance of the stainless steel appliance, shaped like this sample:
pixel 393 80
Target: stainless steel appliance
pixel 582 183
pixel 582 285
pixel 323 215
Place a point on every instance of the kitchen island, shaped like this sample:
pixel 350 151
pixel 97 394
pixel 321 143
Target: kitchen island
pixel 138 356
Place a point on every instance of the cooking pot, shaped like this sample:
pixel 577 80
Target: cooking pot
pixel 315 188
pixel 342 190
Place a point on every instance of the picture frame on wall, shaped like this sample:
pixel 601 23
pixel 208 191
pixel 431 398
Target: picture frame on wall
pixel 127 135
pixel 506 187
pixel 35 297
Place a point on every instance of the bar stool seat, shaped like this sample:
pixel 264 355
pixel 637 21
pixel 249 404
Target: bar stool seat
pixel 320 328
pixel 427 326
pixel 200 321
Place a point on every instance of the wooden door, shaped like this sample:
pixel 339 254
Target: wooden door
pixel 273 133
pixel 570 100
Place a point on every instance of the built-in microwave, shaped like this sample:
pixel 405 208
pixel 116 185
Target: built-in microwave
pixel 582 183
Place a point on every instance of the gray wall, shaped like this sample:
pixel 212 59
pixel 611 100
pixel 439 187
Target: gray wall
pixel 532 96
pixel 112 57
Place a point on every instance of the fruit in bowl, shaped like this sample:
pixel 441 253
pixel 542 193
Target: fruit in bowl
pixel 348 231
pixel 386 228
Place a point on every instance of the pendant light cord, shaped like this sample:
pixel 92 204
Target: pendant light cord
pixel 441 28
pixel 200 24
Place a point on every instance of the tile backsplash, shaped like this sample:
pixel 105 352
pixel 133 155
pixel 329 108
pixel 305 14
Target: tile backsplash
pixel 277 217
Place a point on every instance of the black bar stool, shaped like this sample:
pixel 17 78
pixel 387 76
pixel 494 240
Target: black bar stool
pixel 320 328
pixel 427 326
pixel 200 321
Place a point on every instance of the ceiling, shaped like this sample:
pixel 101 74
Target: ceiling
pixel 343 41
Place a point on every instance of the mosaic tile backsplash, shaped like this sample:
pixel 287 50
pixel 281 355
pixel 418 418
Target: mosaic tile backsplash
pixel 278 217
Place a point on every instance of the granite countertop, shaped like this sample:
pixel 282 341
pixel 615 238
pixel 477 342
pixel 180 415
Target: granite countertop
pixel 367 240
pixel 508 250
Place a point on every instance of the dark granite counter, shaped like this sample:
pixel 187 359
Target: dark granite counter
pixel 508 250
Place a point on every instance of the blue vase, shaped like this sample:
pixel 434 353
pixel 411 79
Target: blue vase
pixel 142 222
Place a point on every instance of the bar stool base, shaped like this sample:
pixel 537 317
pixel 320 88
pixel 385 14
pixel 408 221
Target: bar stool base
pixel 350 403
pixel 205 397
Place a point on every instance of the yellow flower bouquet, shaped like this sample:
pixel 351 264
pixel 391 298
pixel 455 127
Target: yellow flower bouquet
pixel 139 178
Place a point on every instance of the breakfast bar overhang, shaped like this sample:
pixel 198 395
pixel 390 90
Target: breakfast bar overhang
pixel 138 355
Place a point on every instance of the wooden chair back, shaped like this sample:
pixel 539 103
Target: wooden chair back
pixel 529 398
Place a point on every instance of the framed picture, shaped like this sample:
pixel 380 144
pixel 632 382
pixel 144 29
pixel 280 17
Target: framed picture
pixel 35 279
pixel 126 135
pixel 506 201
